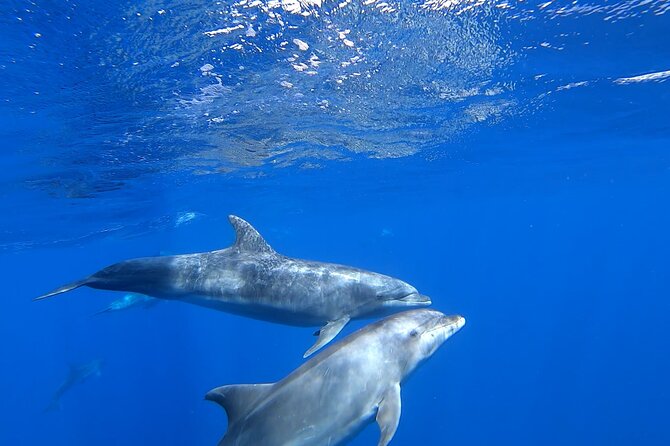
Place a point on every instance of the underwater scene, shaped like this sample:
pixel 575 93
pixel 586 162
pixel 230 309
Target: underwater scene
pixel 316 222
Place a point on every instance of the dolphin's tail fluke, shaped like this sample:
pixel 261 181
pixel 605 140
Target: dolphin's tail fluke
pixel 65 288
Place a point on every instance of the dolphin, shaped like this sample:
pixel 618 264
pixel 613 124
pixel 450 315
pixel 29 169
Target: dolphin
pixel 252 279
pixel 76 375
pixel 129 300
pixel 335 394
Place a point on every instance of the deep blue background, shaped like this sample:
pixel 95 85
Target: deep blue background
pixel 547 230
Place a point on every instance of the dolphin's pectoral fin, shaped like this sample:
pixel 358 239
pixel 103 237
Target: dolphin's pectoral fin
pixel 388 414
pixel 105 310
pixel 238 400
pixel 327 333
pixel 247 238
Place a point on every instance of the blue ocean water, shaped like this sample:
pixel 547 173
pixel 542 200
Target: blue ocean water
pixel 509 159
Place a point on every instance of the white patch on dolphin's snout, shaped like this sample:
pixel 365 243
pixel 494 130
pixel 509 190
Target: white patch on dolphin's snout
pixel 434 333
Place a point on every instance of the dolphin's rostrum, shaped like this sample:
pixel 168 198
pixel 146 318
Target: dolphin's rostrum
pixel 333 395
pixel 251 279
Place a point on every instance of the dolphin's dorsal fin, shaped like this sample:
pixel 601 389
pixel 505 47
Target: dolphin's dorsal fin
pixel 238 400
pixel 248 238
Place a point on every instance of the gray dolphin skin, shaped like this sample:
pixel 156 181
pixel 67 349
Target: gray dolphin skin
pixel 128 301
pixel 251 279
pixel 332 396
pixel 76 375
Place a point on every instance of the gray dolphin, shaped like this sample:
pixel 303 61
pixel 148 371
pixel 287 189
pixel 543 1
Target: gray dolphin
pixel 335 394
pixel 251 279
pixel 76 375
pixel 130 300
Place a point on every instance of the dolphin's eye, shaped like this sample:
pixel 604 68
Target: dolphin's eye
pixel 414 333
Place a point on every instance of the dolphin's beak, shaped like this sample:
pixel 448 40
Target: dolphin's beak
pixel 452 323
pixel 416 299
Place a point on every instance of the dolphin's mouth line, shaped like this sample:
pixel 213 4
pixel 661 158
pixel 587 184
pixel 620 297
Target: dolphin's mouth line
pixel 415 298
pixel 439 327
pixel 455 326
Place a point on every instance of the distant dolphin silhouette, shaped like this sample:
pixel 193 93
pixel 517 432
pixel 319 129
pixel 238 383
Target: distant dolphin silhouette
pixel 333 395
pixel 76 375
pixel 130 300
pixel 251 279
